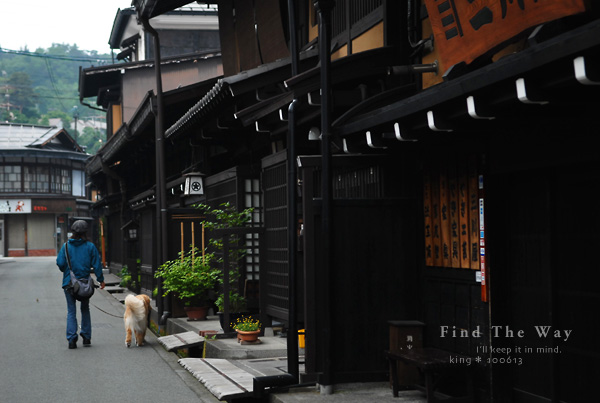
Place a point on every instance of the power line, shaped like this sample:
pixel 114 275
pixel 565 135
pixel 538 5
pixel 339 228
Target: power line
pixel 53 83
pixel 55 97
pixel 87 59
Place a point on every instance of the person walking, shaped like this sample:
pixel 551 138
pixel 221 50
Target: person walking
pixel 84 257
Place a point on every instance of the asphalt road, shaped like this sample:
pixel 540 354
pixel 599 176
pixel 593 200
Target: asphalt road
pixel 37 366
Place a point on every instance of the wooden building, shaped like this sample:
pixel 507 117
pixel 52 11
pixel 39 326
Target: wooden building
pixel 409 161
pixel 42 189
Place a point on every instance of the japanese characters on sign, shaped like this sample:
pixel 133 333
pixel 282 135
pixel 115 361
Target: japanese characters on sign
pixel 450 207
pixel 466 29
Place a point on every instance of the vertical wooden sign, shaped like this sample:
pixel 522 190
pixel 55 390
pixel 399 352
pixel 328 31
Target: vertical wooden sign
pixel 445 218
pixel 429 261
pixel 463 215
pixel 453 214
pixel 435 217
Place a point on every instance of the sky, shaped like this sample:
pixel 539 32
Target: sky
pixel 40 23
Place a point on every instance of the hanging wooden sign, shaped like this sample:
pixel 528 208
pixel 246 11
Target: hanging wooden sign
pixel 435 217
pixel 463 212
pixel 453 215
pixel 450 211
pixel 427 214
pixel 465 30
pixel 445 218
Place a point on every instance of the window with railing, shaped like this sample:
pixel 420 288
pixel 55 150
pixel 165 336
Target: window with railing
pixel 253 200
pixel 61 180
pixel 10 178
pixel 359 15
pixel 28 177
pixel 354 182
pixel 37 179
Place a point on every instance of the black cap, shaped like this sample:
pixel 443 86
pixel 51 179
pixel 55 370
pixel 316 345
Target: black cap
pixel 79 226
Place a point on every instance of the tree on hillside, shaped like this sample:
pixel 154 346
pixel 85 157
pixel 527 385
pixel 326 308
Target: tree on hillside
pixel 21 92
pixel 47 82
pixel 91 139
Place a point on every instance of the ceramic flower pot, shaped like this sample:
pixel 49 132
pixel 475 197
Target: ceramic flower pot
pixel 248 336
pixel 196 312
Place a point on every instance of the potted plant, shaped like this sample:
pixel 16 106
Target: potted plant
pixel 247 328
pixel 221 218
pixel 191 278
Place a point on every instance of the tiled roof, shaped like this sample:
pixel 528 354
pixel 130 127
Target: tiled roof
pixel 25 136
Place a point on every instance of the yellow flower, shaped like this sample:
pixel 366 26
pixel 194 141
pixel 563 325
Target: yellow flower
pixel 246 324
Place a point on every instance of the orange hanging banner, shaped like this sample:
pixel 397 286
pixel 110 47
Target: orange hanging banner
pixel 445 218
pixel 465 30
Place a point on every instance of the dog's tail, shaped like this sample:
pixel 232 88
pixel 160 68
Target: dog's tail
pixel 137 318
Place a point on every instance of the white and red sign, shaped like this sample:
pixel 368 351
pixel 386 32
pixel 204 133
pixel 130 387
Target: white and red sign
pixel 15 206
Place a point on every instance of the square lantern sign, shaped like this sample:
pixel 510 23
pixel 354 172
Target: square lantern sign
pixel 194 185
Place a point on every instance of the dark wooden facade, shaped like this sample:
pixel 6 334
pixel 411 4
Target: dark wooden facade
pixel 374 276
pixel 458 195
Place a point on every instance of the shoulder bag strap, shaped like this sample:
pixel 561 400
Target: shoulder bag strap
pixel 67 252
pixel 73 278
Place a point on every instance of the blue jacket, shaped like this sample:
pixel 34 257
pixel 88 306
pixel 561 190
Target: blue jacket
pixel 84 257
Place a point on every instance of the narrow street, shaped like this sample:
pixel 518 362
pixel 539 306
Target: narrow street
pixel 36 364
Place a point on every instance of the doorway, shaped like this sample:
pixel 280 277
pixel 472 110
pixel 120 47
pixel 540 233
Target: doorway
pixel 544 245
pixel 1 238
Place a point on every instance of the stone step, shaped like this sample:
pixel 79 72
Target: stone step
pixel 181 340
pixel 113 289
pixel 111 279
pixel 230 348
pixel 120 296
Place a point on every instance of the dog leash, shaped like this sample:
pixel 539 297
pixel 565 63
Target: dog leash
pixel 108 313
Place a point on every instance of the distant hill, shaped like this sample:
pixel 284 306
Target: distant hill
pixel 36 86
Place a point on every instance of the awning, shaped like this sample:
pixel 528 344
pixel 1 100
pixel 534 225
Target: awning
pixel 151 8
pixel 94 80
pixel 176 101
pixel 228 88
pixel 355 68
pixel 525 79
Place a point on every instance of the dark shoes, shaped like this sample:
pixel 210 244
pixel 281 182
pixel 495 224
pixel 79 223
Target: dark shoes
pixel 73 343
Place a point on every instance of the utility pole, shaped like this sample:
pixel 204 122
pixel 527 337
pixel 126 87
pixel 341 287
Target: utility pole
pixel 75 112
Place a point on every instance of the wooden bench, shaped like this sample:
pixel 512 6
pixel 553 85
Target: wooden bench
pixel 434 364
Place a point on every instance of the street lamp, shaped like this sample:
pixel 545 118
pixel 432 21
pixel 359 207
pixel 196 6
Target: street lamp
pixel 194 184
